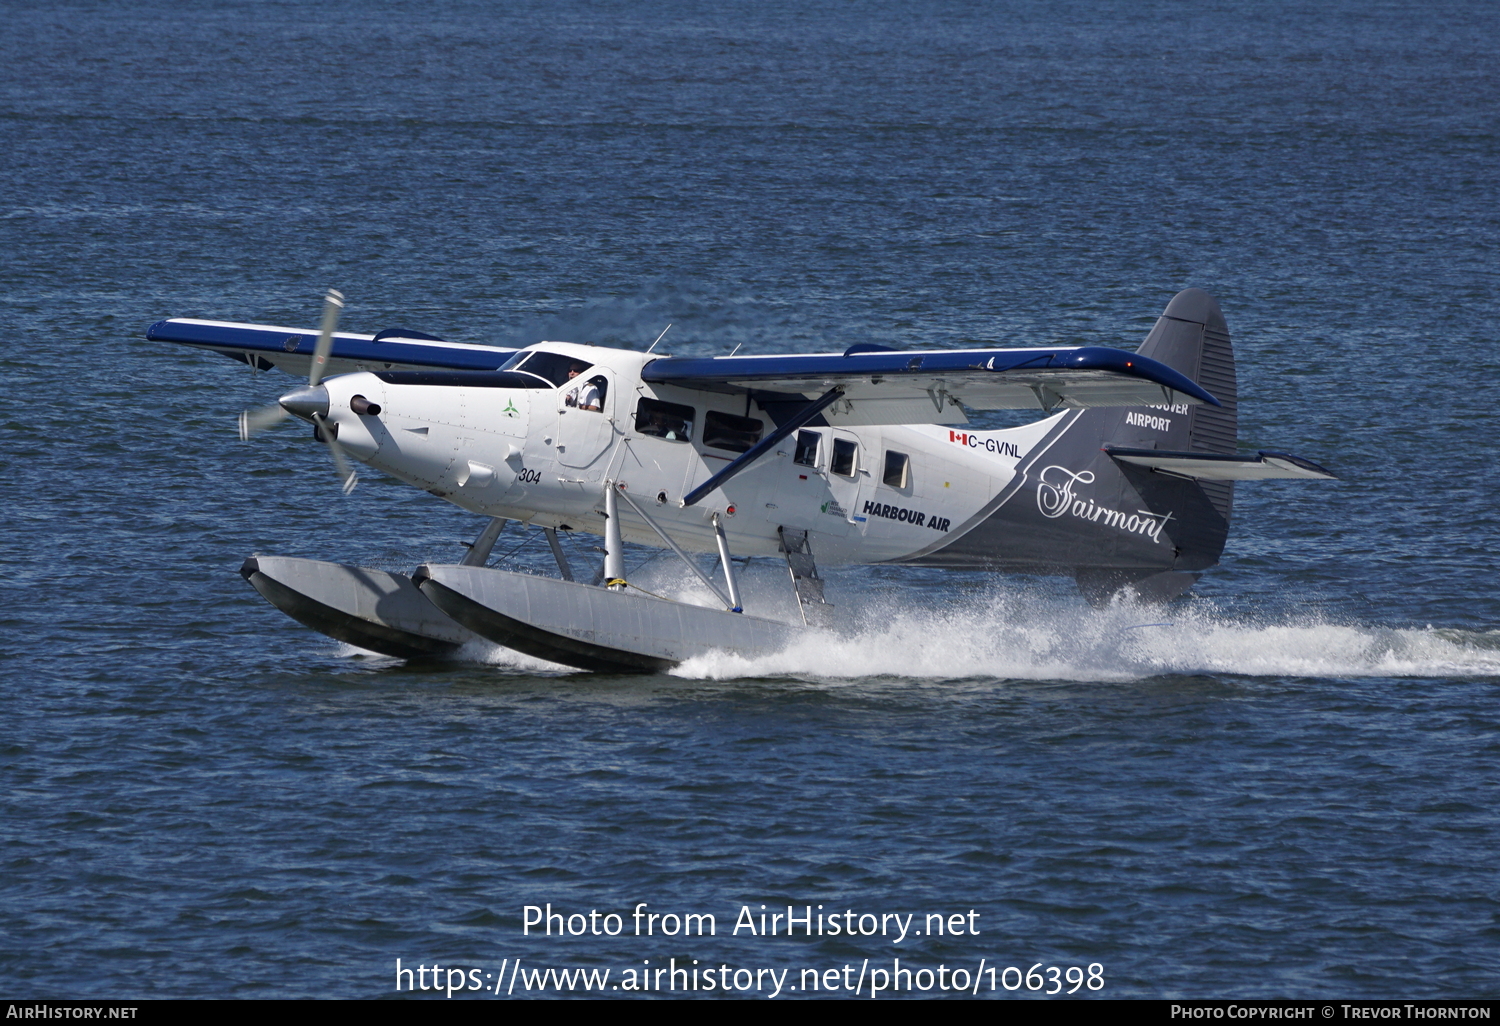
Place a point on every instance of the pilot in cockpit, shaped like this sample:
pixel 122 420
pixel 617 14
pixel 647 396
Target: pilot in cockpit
pixel 588 395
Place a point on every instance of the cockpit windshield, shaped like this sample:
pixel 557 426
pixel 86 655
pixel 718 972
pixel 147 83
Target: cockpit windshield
pixel 551 366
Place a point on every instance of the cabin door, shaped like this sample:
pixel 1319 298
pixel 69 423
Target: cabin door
pixel 847 473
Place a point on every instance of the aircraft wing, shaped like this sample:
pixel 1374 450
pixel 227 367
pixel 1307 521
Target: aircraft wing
pixel 884 386
pixel 1203 466
pixel 264 346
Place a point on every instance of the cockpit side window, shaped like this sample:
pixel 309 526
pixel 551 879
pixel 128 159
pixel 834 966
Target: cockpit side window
pixel 671 421
pixel 586 393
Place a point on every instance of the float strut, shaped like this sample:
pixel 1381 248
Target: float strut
pixel 678 549
pixel 614 544
pixel 558 553
pixel 479 552
pixel 734 590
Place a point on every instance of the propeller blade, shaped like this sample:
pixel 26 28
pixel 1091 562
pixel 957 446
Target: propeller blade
pixel 340 463
pixel 332 304
pixel 307 402
pixel 257 420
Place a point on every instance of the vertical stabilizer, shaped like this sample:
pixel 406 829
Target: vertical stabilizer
pixel 1191 336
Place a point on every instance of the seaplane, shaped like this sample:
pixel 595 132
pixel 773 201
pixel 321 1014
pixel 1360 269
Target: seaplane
pixel 1124 482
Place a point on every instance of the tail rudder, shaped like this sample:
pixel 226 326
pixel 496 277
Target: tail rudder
pixel 1191 336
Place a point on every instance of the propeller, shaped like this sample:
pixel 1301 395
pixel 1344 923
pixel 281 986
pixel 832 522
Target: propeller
pixel 332 304
pixel 314 404
pixel 253 422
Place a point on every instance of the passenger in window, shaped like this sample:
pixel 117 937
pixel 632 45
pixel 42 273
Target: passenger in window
pixel 807 448
pixel 662 427
pixel 671 421
pixel 586 396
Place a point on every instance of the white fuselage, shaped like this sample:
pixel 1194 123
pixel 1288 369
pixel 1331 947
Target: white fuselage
pixel 527 454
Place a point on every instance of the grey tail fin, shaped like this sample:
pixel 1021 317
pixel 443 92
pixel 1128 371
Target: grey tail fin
pixel 1192 336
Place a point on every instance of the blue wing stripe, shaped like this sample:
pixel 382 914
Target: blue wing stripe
pixel 362 348
pixel 745 371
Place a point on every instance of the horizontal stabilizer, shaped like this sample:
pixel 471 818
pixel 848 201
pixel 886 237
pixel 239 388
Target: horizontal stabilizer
pixel 1203 466
pixel 291 349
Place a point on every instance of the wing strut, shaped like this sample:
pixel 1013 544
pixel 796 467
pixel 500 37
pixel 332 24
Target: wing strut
pixel 766 444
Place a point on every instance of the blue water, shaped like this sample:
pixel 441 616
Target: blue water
pixel 1287 790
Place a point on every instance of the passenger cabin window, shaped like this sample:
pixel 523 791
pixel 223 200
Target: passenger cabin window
pixel 726 431
pixel 897 466
pixel 807 448
pixel 845 457
pixel 671 421
pixel 554 367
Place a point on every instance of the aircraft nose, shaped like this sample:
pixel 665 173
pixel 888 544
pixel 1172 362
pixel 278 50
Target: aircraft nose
pixel 306 401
